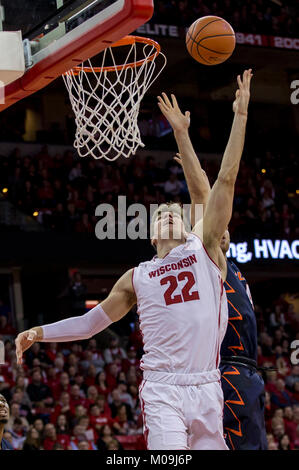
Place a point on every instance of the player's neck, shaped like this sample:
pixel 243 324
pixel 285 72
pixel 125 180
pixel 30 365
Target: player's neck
pixel 165 246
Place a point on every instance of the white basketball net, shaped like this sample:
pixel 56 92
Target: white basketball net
pixel 106 103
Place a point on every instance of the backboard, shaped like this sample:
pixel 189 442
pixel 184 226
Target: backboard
pixel 60 34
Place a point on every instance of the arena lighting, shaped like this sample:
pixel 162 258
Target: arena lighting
pixel 91 303
pixel 35 214
pixel 81 11
pixel 278 2
pixel 5 190
pixel 263 170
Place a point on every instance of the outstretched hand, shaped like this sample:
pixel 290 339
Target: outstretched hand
pixel 173 114
pixel 240 105
pixel 23 342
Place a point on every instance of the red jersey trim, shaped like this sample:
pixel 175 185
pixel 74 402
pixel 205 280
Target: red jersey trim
pixel 219 316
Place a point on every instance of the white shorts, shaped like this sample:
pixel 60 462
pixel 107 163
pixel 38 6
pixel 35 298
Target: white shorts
pixel 176 416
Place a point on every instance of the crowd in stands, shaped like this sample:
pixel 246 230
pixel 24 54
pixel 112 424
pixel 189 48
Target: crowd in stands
pixel 64 191
pixel 75 396
pixel 84 395
pixel 256 17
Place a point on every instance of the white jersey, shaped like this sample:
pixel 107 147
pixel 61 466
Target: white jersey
pixel 182 309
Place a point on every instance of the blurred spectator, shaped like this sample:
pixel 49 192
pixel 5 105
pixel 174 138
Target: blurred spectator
pixel 63 406
pixel 79 435
pixel 114 351
pixel 58 446
pixel 280 396
pixel 38 392
pixel 172 187
pixel 38 424
pixel 277 318
pixel 50 436
pixel 116 402
pixel 114 444
pixel 36 353
pixel 105 437
pixel 131 359
pixel 32 441
pixel 77 292
pixel 15 413
pixel 293 378
pixel 62 386
pixel 62 426
pixel 18 432
pixel 284 443
pixel 101 383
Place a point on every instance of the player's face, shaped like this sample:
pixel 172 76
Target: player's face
pixel 169 225
pixel 4 410
pixel 225 241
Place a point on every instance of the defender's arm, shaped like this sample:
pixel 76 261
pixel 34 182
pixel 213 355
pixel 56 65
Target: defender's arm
pixel 219 207
pixel 196 178
pixel 118 303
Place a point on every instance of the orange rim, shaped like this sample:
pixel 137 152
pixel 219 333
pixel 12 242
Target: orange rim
pixel 125 41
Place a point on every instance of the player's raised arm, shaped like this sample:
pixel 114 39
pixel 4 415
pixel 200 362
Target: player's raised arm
pixel 118 303
pixel 196 178
pixel 219 206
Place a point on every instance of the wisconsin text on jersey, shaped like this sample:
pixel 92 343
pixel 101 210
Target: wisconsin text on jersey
pixel 184 263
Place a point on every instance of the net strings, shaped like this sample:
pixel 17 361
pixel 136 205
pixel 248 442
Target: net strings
pixel 106 104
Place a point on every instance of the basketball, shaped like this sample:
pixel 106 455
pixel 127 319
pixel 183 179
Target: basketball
pixel 210 40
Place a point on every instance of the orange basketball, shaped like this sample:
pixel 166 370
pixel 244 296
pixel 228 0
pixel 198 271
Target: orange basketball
pixel 210 40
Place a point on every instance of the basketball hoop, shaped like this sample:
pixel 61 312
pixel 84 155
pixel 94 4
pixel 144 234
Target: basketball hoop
pixel 106 99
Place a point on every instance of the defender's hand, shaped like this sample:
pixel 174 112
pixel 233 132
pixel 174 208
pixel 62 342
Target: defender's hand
pixel 179 160
pixel 173 114
pixel 240 105
pixel 23 342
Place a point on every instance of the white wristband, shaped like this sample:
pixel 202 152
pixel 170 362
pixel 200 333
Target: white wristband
pixel 77 328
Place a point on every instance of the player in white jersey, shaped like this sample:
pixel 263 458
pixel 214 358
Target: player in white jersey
pixel 183 312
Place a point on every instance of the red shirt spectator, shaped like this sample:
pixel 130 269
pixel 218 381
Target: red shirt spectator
pixel 280 396
pixel 131 360
pixel 64 440
pixel 291 427
pixel 114 351
pixel 63 386
pixel 90 378
pixel 112 372
pixel 46 191
pixel 50 436
pixel 101 384
pixel 51 351
pixel 64 407
pixel 135 338
pixel 77 397
pixel 296 392
pixel 98 418
pixel 52 379
pixel 92 395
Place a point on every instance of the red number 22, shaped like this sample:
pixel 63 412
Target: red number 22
pixel 173 284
